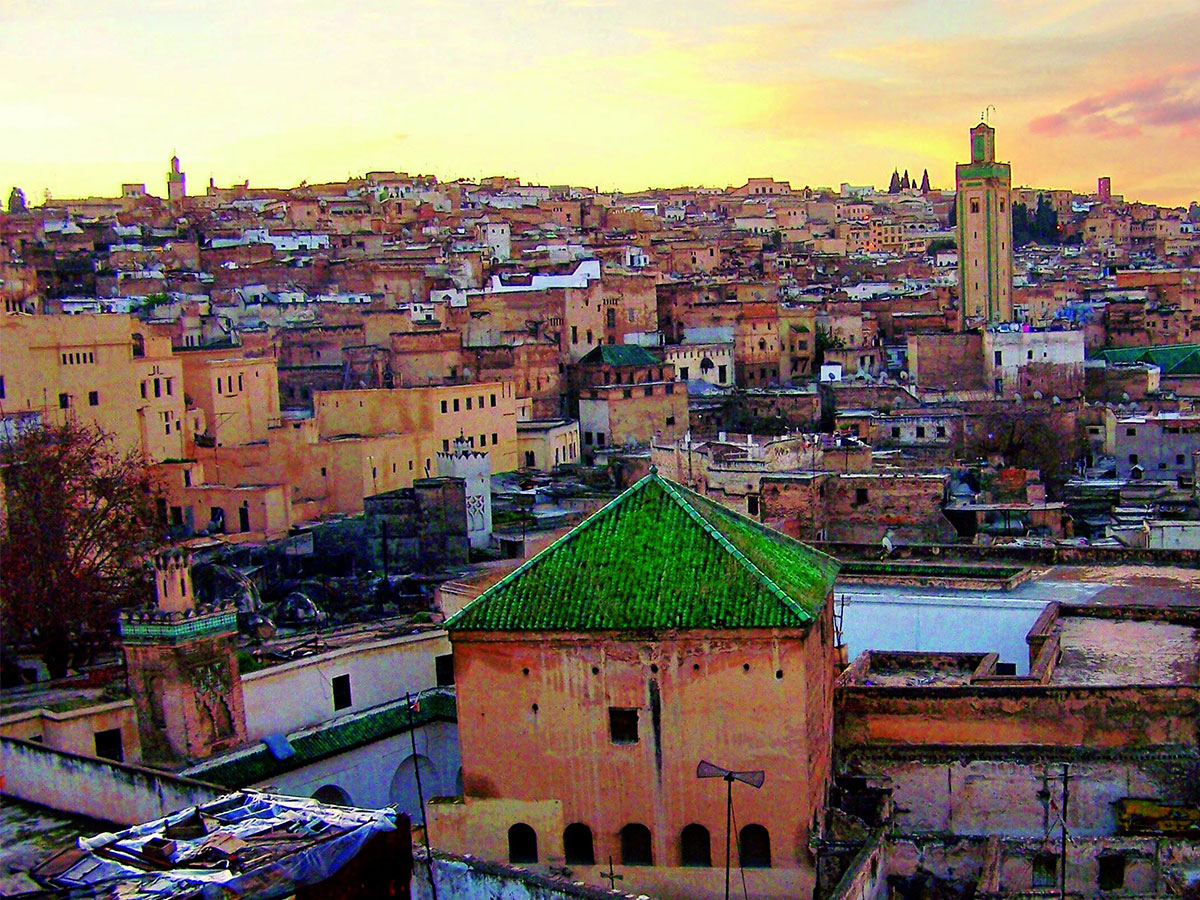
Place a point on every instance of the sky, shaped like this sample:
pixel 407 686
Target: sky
pixel 617 94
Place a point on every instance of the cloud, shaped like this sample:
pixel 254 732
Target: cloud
pixel 1168 99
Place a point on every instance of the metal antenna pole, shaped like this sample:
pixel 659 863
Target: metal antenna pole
pixel 728 827
pixel 412 737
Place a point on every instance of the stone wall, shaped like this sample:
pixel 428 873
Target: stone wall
pixel 109 791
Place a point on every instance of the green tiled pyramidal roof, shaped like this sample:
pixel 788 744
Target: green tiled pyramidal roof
pixel 659 557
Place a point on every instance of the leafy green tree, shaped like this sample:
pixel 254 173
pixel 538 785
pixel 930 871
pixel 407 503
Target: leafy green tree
pixel 939 244
pixel 81 522
pixel 824 340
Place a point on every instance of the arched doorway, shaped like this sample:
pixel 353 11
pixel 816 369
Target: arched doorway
pixel 403 791
pixel 332 794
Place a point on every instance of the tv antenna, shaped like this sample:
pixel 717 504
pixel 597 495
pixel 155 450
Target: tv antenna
pixel 754 778
pixel 984 115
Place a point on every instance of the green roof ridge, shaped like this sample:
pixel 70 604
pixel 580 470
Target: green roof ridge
pixel 673 491
pixel 566 538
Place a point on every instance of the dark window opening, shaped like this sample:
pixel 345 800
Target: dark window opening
pixel 578 848
pixel 64 401
pixel 108 745
pixel 1045 869
pixel 93 398
pixel 623 725
pixel 754 847
pixel 636 846
pixel 1111 874
pixel 752 505
pixel 341 691
pixel 695 848
pixel 860 496
pixel 522 844
pixel 444 669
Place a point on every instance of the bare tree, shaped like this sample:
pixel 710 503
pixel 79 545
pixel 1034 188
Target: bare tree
pixel 1027 436
pixel 81 521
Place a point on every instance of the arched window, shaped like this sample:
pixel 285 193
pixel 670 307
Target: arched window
pixel 636 849
pixel 754 847
pixel 522 844
pixel 578 849
pixel 403 792
pixel 695 849
pixel 332 794
pixel 706 365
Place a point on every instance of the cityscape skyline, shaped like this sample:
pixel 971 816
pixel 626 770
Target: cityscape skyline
pixel 599 93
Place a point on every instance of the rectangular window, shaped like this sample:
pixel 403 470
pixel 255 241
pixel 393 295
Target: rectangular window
pixel 443 406
pixel 483 440
pixel 1111 874
pixel 860 496
pixel 1 387
pixel 446 446
pixel 93 398
pixel 456 404
pixel 341 691
pixel 974 206
pixel 1045 868
pixel 495 439
pixel 670 420
pixel 64 401
pixel 444 669
pixel 648 391
pixel 239 383
pixel 999 357
pixel 623 725
pixel 895 431
pixel 1131 432
pixel 627 393
pixel 1179 459
pixel 109 746
pixel 941 431
pixel 683 373
pixel 920 431
pixel 468 403
pixel 481 401
pixel 587 439
pixel 493 403
pixel 670 388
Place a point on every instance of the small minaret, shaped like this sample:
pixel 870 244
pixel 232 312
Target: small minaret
pixel 475 468
pixel 181 665
pixel 176 183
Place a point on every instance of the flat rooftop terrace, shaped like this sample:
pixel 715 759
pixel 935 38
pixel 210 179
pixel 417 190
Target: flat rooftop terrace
pixel 1103 651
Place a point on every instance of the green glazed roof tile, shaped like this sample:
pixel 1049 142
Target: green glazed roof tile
pixel 659 556
pixel 338 736
pixel 620 355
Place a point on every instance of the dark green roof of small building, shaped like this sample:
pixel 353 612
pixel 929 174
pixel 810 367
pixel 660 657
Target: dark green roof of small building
pixel 619 355
pixel 659 557
pixel 339 736
pixel 1172 359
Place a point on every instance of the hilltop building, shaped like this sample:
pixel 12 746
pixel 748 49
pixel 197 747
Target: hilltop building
pixel 984 233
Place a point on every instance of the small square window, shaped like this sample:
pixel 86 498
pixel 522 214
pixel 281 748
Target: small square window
pixel 341 691
pixel 1131 432
pixel 109 746
pixel 623 725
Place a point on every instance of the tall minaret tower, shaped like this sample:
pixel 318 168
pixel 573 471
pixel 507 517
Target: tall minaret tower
pixel 176 182
pixel 984 233
pixel 181 663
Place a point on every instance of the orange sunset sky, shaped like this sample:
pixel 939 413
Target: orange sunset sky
pixel 613 93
